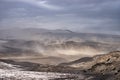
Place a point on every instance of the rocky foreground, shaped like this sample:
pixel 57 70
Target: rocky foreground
pixel 101 67
pixel 108 66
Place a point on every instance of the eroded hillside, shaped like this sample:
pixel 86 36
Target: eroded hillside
pixel 102 67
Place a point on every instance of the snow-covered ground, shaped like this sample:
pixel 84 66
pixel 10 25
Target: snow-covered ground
pixel 13 72
pixel 29 75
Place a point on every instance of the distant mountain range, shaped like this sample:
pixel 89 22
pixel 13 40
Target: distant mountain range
pixel 65 45
pixel 61 35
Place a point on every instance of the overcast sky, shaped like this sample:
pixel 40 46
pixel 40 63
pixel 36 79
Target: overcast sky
pixel 102 16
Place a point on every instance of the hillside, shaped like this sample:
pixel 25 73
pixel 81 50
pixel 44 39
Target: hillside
pixel 107 65
pixel 102 67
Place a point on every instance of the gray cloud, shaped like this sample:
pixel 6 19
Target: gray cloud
pixel 78 15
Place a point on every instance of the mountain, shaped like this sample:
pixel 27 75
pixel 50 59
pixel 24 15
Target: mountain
pixel 62 45
pixel 37 33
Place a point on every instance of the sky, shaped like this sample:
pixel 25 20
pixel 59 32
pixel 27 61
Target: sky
pixel 96 16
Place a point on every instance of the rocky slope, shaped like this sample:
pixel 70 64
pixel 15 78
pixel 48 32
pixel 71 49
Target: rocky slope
pixel 102 67
pixel 107 65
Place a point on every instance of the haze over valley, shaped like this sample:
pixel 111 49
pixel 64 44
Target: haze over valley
pixel 59 40
pixel 42 46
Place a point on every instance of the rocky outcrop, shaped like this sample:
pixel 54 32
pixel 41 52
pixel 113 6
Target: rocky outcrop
pixel 100 67
pixel 107 65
